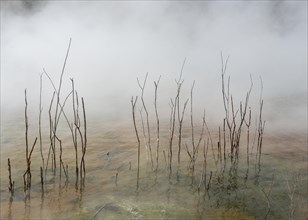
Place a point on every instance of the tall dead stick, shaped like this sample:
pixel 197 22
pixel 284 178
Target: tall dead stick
pixel 57 106
pixel 50 134
pixel 157 121
pixel 74 133
pixel 172 125
pixel 261 125
pixel 27 174
pixel 40 120
pixel 133 102
pixel 148 141
pixel 84 149
pixel 181 118
pixel 191 117
pixel 179 83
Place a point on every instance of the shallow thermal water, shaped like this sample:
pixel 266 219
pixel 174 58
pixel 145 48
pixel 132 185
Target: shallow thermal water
pixel 277 189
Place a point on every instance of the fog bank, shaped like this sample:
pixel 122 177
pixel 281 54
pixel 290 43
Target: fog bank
pixel 113 43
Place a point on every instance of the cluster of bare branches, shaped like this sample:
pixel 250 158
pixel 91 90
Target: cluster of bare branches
pixel 179 84
pixel 203 174
pixel 78 130
pixel 267 196
pixel 177 115
pixel 79 134
pixel 193 153
pixel 232 120
pixel 175 110
pixel 292 190
pixel 175 126
pixel 236 120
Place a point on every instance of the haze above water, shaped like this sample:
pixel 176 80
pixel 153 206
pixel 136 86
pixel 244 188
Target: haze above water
pixel 115 42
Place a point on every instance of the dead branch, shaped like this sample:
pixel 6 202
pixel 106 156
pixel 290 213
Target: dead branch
pixel 148 142
pixel 40 119
pixel 133 102
pixel 11 184
pixel 157 120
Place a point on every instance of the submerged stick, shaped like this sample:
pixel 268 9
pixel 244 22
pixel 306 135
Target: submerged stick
pixel 292 192
pixel 209 183
pixel 11 184
pixel 99 211
pixel 224 131
pixel 42 178
pixel 267 196
pixel 164 152
pixel 219 145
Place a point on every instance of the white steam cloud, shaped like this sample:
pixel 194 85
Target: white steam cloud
pixel 115 42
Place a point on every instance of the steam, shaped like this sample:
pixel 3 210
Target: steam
pixel 115 42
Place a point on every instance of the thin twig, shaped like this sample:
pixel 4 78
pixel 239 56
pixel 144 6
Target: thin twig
pixel 148 142
pixel 133 102
pixel 99 211
pixel 157 120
